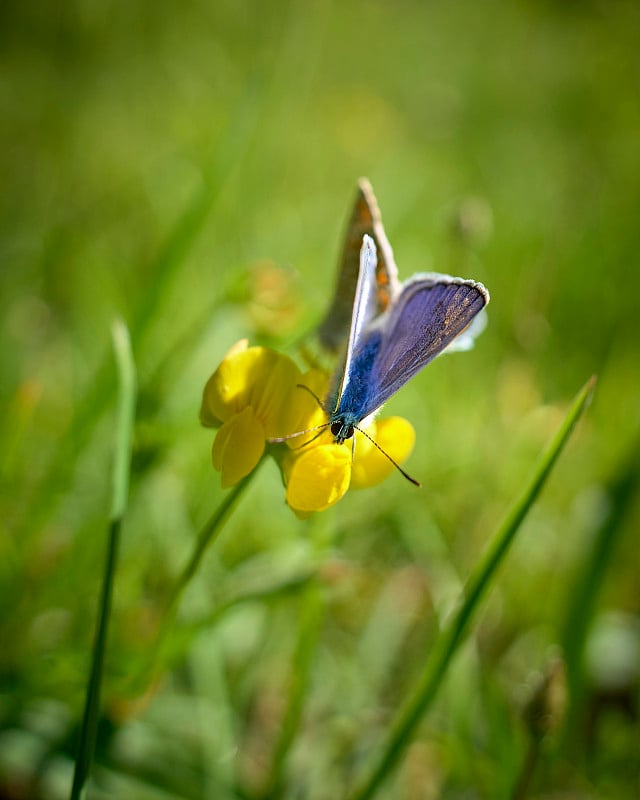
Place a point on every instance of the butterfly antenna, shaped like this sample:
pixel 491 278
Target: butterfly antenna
pixel 319 428
pixel 311 392
pixel 384 453
pixel 313 438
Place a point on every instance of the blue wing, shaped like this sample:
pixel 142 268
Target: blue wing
pixel 430 312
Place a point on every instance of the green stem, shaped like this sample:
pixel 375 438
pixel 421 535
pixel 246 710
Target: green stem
pixel 121 469
pixel 208 534
pixel 448 643
pixel 91 714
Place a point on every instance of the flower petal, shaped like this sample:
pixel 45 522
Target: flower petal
pixel 318 477
pixel 396 436
pixel 272 394
pixel 257 377
pixel 304 411
pixel 238 447
pixel 212 411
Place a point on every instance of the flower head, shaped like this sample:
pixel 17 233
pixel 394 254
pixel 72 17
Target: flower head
pixel 248 396
pixel 257 395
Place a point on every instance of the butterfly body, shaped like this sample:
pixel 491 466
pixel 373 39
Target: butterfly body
pixel 349 408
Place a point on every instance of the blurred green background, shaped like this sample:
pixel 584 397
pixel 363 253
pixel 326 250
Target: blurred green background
pixel 191 168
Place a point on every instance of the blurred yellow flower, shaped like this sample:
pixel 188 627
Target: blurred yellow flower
pixel 255 396
pixel 249 396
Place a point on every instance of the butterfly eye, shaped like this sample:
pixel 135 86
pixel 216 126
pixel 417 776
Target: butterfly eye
pixel 341 431
pixel 336 427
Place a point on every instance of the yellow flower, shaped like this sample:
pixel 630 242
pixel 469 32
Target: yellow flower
pixel 394 435
pixel 321 473
pixel 318 477
pixel 249 395
pixel 305 411
pixel 255 397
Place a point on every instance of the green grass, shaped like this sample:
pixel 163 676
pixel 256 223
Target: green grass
pixel 152 161
pixel 121 470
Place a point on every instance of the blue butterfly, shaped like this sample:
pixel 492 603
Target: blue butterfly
pixel 385 351
pixel 424 317
pixel 394 329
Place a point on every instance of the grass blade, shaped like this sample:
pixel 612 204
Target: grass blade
pixel 121 469
pixel 452 636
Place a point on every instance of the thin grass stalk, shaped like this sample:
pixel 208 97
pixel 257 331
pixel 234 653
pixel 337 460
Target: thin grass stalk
pixel 121 472
pixel 452 636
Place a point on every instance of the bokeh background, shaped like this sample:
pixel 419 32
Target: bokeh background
pixel 190 167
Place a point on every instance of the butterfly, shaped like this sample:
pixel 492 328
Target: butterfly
pixel 385 350
pixel 393 329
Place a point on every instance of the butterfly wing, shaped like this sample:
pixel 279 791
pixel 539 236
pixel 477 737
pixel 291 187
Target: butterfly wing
pixel 467 339
pixel 365 219
pixel 428 315
pixel 363 312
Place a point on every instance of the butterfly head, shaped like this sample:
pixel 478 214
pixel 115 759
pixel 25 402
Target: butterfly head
pixel 341 429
